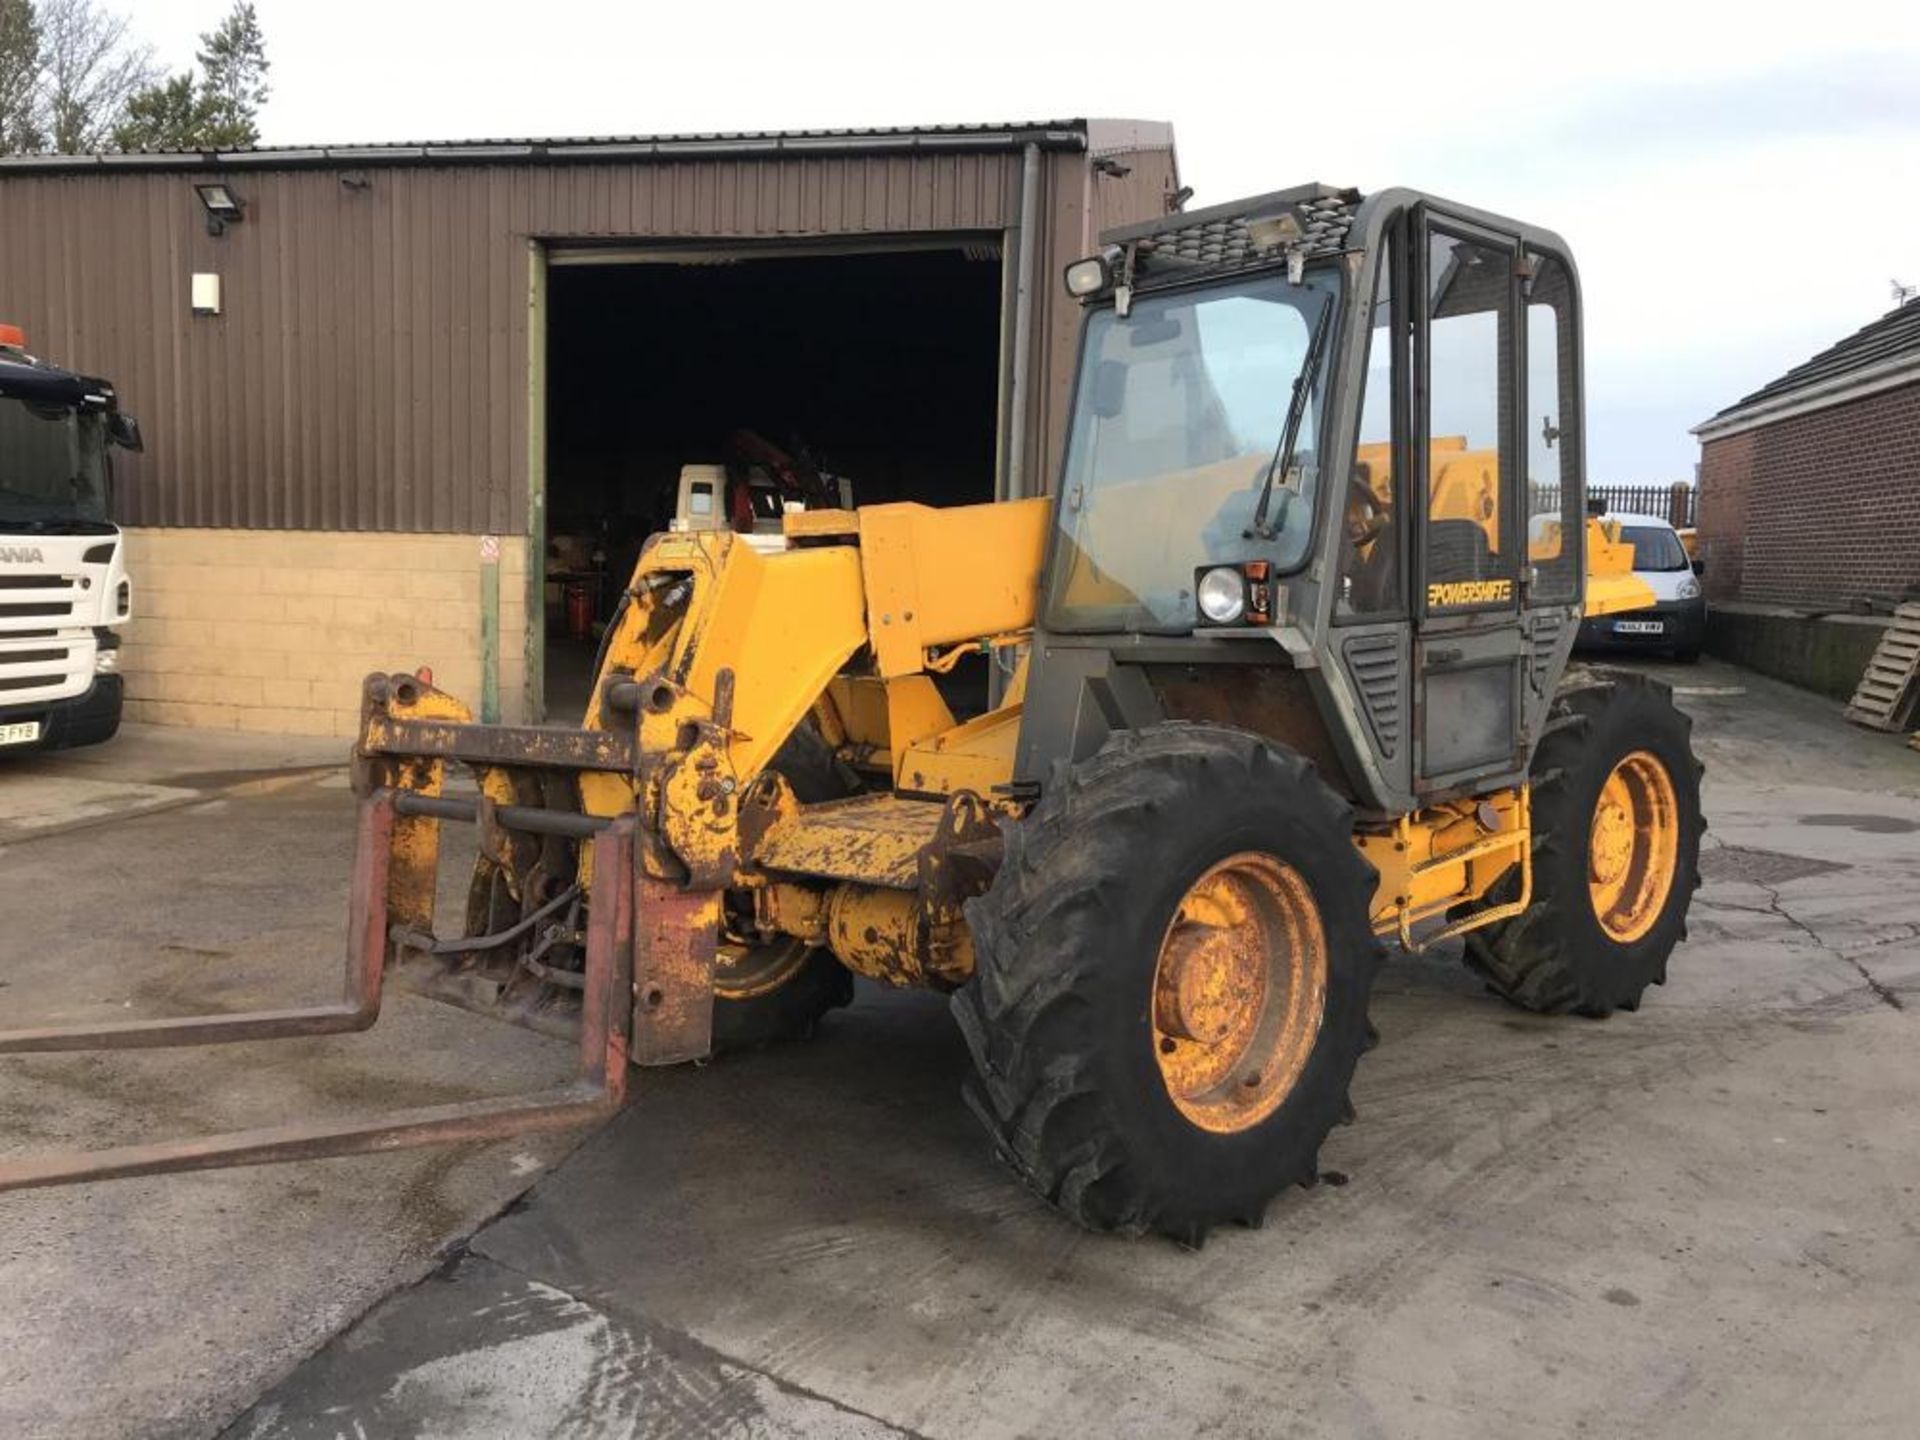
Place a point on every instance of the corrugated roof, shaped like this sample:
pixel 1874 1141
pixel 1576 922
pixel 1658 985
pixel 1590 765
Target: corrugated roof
pixel 1893 335
pixel 1051 134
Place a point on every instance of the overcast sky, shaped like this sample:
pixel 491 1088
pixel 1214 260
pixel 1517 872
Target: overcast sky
pixel 1740 181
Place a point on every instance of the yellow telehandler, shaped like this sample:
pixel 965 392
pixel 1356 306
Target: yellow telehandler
pixel 1284 666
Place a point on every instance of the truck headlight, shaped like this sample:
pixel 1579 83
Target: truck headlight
pixel 1222 593
pixel 1688 589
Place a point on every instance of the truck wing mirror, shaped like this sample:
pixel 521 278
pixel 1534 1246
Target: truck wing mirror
pixel 124 431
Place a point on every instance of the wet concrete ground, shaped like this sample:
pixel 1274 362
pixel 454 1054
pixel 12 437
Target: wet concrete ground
pixel 162 1307
pixel 1700 1219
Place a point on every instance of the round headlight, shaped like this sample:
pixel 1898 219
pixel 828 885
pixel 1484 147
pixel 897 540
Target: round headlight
pixel 1222 593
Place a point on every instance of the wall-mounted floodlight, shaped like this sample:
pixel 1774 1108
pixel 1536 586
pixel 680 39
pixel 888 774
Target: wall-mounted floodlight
pixel 223 207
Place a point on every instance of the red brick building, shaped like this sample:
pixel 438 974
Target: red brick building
pixel 1810 487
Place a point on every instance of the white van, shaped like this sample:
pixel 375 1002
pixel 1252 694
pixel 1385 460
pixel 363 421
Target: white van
pixel 1677 620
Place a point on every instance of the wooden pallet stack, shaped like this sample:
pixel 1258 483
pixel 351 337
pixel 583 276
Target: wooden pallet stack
pixel 1888 691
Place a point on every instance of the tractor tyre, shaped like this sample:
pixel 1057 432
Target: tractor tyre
pixel 778 990
pixel 1172 972
pixel 1616 848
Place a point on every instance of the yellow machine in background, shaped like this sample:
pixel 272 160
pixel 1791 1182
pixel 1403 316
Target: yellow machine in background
pixel 1257 715
pixel 1464 485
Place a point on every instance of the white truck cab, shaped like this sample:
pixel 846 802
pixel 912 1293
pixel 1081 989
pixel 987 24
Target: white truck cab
pixel 64 590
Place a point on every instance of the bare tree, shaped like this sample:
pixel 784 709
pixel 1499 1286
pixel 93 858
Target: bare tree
pixel 19 78
pixel 91 66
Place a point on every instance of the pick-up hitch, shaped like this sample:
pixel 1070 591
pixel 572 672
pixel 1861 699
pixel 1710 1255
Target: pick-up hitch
pixel 606 1017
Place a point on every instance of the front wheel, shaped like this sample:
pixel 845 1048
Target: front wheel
pixel 773 990
pixel 1172 972
pixel 1616 849
pixel 764 990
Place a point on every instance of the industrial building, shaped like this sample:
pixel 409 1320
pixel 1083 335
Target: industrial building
pixel 393 394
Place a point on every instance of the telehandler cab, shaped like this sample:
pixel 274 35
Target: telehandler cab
pixel 1285 662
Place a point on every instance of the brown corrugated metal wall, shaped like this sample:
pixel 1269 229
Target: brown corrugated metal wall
pixel 369 371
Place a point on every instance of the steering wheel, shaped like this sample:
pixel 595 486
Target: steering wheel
pixel 1368 516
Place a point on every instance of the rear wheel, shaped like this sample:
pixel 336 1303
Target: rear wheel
pixel 1616 845
pixel 1172 970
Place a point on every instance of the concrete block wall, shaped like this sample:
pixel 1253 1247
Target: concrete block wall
pixel 1826 653
pixel 273 630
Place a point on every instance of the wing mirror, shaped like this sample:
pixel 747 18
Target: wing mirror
pixel 1699 567
pixel 124 431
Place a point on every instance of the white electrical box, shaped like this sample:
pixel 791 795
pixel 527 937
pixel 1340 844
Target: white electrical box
pixel 206 294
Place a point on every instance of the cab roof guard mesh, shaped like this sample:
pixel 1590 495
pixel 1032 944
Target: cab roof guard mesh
pixel 1216 239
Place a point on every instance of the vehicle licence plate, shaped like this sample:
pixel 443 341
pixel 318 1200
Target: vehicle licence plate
pixel 22 734
pixel 1639 627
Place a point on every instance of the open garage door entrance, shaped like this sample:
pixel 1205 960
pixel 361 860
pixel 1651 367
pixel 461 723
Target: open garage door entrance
pixel 882 366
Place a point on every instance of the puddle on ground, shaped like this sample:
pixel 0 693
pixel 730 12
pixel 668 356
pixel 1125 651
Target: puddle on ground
pixel 1865 824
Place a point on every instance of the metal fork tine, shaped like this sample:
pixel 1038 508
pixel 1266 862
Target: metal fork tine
pixel 406 1129
pixel 605 1017
pixel 360 1007
pixel 192 1030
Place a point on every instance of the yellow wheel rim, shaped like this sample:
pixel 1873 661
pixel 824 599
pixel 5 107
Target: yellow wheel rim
pixel 1239 989
pixel 1633 847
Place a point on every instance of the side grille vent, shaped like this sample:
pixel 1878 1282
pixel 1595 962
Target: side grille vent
pixel 1374 663
pixel 1548 626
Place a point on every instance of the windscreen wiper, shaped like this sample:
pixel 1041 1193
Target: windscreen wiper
pixel 1282 461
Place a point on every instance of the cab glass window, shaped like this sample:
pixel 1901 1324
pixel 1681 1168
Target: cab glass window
pixel 1179 411
pixel 1554 518
pixel 1370 540
pixel 1471 559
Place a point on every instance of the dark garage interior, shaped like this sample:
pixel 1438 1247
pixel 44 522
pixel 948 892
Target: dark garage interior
pixel 880 367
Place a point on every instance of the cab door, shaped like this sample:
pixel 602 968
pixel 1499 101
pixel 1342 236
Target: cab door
pixel 1470 540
